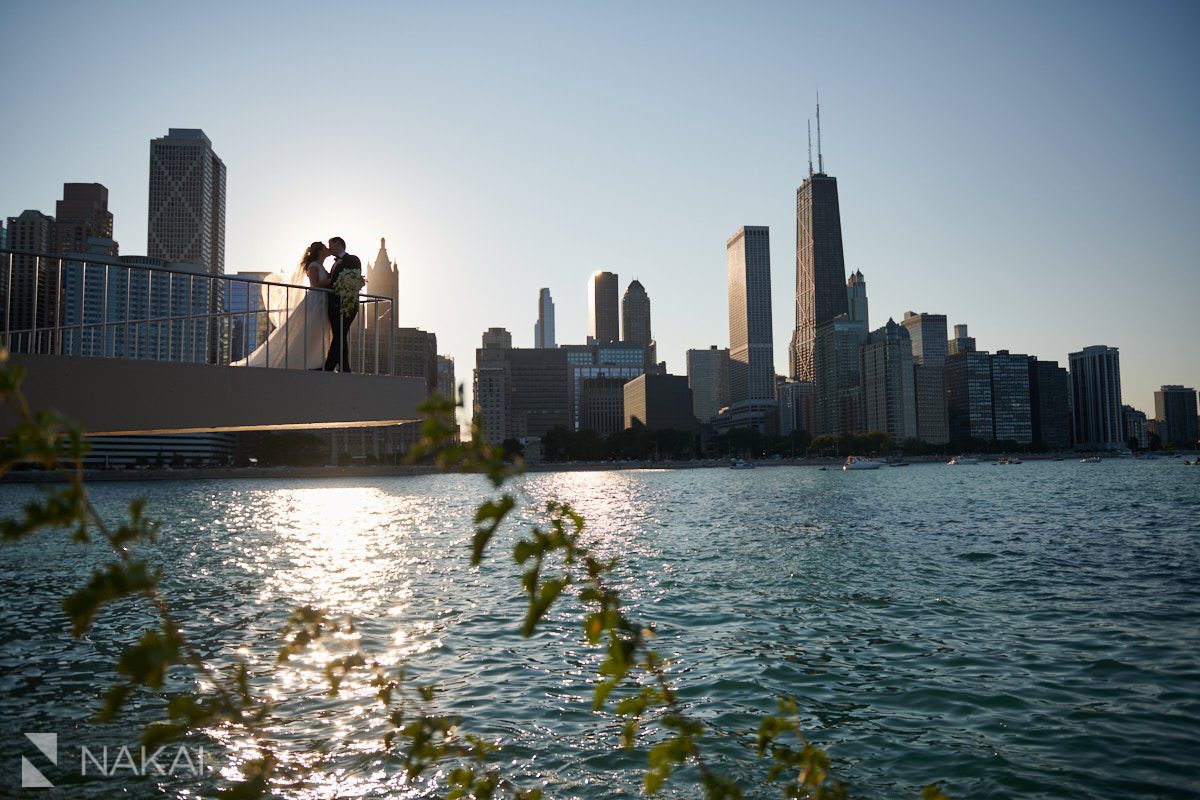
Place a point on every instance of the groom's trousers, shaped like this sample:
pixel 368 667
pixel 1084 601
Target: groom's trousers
pixel 339 345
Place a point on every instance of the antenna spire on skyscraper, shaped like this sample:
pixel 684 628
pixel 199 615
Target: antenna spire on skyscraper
pixel 820 158
pixel 810 148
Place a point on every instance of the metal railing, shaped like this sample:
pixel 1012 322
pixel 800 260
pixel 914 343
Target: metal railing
pixel 104 307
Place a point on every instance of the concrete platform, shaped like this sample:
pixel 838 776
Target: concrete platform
pixel 125 396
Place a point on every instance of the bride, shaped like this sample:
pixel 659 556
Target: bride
pixel 301 325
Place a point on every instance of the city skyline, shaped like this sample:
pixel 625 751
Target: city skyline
pixel 963 246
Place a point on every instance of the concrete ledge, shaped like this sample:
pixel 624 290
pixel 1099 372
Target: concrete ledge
pixel 125 396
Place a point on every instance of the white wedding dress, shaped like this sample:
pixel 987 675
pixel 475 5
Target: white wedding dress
pixel 300 323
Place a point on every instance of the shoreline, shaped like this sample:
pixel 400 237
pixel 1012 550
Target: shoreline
pixel 405 470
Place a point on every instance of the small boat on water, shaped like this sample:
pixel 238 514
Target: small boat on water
pixel 1008 460
pixel 737 463
pixel 858 462
pixel 962 461
pixel 1090 460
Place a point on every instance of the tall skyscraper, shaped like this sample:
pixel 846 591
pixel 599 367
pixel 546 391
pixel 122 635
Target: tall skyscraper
pixel 31 301
pixel 927 332
pixel 383 279
pixel 820 262
pixel 603 322
pixel 1011 419
pixel 82 214
pixel 856 301
pixel 635 314
pixel 1175 411
pixel 543 329
pixel 1096 398
pixel 961 343
pixel 933 420
pixel 969 397
pixel 837 385
pixel 889 401
pixel 708 377
pixel 187 216
pixel 1050 404
pixel 751 362
pixel 187 201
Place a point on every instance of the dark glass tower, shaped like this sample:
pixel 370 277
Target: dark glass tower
pixel 820 267
pixel 604 325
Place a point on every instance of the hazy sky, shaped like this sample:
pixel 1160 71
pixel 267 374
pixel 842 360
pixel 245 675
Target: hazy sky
pixel 1030 169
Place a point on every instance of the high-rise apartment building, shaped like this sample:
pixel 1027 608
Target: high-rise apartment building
pixel 635 314
pixel 969 396
pixel 751 361
pixel 82 214
pixel 1175 413
pixel 1096 398
pixel 933 421
pixel 856 302
pixel 543 329
pixel 888 392
pixel 1135 427
pixel 927 332
pixel 187 215
pixel 820 267
pixel 708 377
pixel 29 296
pixel 1011 419
pixel 1049 404
pixel 837 400
pixel 794 401
pixel 603 322
pixel 961 343
pixel 187 200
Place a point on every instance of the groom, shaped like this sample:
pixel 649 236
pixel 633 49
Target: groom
pixel 339 323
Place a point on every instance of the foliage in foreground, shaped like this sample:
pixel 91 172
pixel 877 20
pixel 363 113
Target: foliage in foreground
pixel 556 563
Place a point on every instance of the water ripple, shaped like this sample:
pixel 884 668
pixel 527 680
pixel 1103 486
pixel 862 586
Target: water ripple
pixel 1028 632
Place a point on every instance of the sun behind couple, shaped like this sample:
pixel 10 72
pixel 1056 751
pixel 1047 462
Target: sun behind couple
pixel 311 330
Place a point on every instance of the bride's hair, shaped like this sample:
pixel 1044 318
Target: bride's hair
pixel 310 255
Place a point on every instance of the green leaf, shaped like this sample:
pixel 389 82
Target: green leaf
pixel 488 517
pixel 114 581
pixel 157 734
pixel 147 661
pixel 540 603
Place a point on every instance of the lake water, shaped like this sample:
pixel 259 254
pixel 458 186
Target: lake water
pixel 1025 631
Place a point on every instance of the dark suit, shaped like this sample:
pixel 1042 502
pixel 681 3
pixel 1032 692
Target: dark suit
pixel 340 324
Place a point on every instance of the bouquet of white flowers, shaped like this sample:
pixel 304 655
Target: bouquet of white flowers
pixel 347 287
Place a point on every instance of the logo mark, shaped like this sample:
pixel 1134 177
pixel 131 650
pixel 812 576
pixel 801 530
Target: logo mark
pixel 31 776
